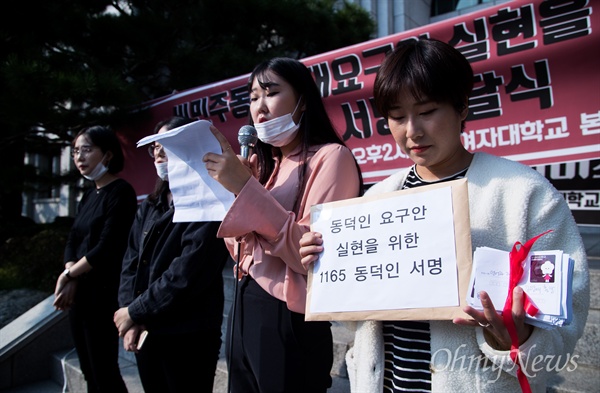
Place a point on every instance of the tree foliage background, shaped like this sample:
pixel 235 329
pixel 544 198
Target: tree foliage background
pixel 68 64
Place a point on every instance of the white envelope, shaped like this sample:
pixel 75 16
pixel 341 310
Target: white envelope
pixel 545 280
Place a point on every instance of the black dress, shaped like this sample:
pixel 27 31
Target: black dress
pixel 99 233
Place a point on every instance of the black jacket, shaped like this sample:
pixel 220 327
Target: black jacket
pixel 172 272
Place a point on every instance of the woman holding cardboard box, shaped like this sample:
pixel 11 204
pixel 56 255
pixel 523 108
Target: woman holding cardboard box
pixel 422 89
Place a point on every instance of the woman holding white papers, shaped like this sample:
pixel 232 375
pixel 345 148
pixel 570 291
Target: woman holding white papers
pixel 172 289
pixel 299 161
pixel 422 89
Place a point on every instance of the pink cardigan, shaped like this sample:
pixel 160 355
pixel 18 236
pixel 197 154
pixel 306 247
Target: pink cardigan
pixel 262 217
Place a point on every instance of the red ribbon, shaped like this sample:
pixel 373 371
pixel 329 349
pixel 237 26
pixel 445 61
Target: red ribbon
pixel 517 256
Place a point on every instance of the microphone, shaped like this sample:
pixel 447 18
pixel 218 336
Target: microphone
pixel 247 138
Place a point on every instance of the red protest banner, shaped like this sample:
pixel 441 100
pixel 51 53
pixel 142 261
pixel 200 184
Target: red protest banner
pixel 536 98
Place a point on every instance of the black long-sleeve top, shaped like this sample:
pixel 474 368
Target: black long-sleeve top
pixel 172 272
pixel 99 233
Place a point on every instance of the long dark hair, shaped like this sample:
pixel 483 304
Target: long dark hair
pixel 162 186
pixel 315 127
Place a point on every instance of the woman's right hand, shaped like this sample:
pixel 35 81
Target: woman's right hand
pixel 310 247
pixel 227 168
pixel 131 337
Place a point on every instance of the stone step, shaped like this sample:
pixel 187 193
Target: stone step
pixel 583 373
pixel 588 346
pixel 582 380
pixel 45 386
pixel 76 382
pixel 585 378
pixel 595 285
pixel 66 364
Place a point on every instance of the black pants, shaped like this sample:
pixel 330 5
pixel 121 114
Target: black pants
pixel 273 349
pixel 179 363
pixel 97 343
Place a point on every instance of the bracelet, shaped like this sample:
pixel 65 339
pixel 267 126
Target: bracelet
pixel 67 274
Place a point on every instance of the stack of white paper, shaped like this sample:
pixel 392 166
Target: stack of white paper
pixel 547 281
pixel 196 195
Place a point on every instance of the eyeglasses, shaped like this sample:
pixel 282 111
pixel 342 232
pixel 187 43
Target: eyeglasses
pixel 83 151
pixel 155 149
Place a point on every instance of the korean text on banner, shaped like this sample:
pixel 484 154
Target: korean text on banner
pixel 404 255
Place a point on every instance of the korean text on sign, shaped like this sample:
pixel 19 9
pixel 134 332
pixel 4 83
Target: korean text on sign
pixel 390 252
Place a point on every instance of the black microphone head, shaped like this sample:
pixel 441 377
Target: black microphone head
pixel 247 136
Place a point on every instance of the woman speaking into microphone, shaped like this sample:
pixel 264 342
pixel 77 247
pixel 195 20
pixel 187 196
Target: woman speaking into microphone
pixel 297 162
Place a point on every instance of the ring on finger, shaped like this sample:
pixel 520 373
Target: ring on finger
pixel 484 325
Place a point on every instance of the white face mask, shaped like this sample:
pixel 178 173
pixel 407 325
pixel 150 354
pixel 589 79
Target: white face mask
pixel 162 170
pixel 279 131
pixel 98 171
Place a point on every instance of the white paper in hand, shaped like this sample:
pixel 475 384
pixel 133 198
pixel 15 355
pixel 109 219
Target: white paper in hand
pixel 196 195
pixel 545 280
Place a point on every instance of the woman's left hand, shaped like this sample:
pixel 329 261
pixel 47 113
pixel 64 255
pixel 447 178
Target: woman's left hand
pixel 494 329
pixel 131 337
pixel 227 168
pixel 64 294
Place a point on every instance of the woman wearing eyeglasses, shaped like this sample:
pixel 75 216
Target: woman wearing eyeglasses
pixel 88 286
pixel 172 288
